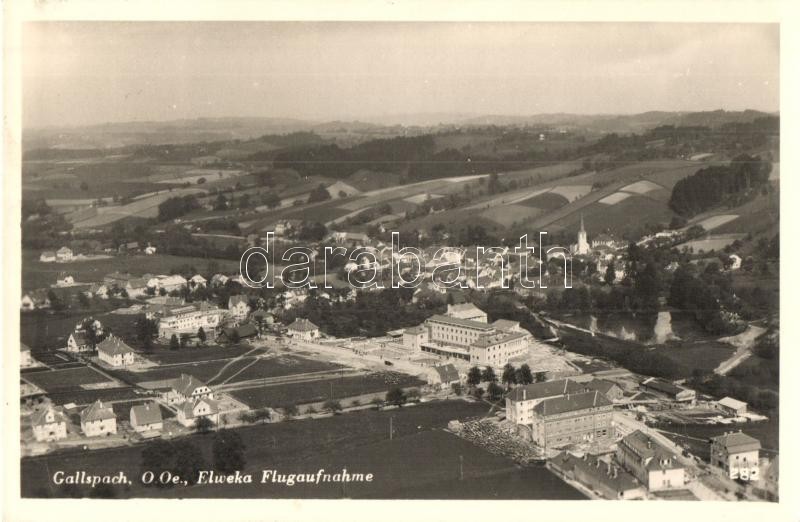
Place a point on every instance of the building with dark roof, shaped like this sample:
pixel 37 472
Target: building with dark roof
pixel 115 352
pixel 605 478
pixel 98 419
pixel 238 333
pixel 572 419
pixel 737 454
pixel 521 400
pixel 49 424
pixel 669 390
pixel 448 374
pixel 608 388
pixel 303 329
pixel 187 387
pixel 146 417
pixel 650 462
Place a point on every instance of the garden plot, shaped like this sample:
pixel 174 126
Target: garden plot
pixel 572 192
pixel 421 198
pixel 717 221
pixel 641 187
pixel 615 198
pixel 67 379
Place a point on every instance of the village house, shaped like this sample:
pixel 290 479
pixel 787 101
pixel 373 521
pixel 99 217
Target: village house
pixel 731 406
pixel 135 287
pixel 64 279
pixel 238 307
pixel 25 358
pixel 64 254
pixel 49 424
pixel 78 341
pixel 219 280
pixel 187 387
pixel 349 239
pixel 149 250
pixel 197 281
pixel 98 290
pixel 48 256
pixel 146 417
pixel 736 453
pixel 98 419
pixel 115 352
pixel 192 410
pixel 447 375
pixel 605 478
pixel 34 300
pixel 571 419
pixel 303 329
pixel 650 462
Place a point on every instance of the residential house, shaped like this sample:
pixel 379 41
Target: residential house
pixel 732 406
pixel 48 256
pixel 78 341
pixel 303 329
pixel 736 262
pixel 571 419
pixel 239 333
pixel 349 239
pixel 98 419
pixel 238 307
pixel 115 352
pixel 97 290
pixel 447 375
pixel 64 279
pixel 650 462
pixel 25 358
pixel 414 337
pixel 146 417
pixel 192 410
pixel 605 478
pixel 136 287
pixel 197 281
pixel 49 424
pixel 219 280
pixel 150 250
pixel 64 254
pixel 736 453
pixel 187 387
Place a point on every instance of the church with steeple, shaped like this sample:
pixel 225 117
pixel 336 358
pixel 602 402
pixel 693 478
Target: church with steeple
pixel 581 248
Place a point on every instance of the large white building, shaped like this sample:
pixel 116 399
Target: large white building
pixel 522 399
pixel 114 352
pixel 189 319
pixel 736 453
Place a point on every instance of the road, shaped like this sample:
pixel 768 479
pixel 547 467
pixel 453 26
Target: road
pixel 744 344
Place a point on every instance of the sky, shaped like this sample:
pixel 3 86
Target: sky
pixel 79 73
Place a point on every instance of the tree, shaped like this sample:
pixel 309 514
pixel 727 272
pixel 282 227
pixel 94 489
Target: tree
pixel 332 405
pixel 184 340
pixel 509 375
pixel 342 194
pixel 290 411
pixel 457 388
pixel 474 376
pixel 174 343
pixel 319 194
pixel 201 335
pixel 611 274
pixel 524 375
pixel 396 396
pixel 221 203
pixel 228 451
pixel 189 462
pixel 203 425
pixel 540 377
pixel 413 395
pixel 495 391
pixel 488 375
pixel 378 402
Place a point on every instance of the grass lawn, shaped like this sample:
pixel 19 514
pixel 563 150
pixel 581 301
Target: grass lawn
pixel 317 391
pixel 282 365
pixel 201 370
pixel 704 355
pixel 195 354
pixel 83 397
pixel 416 456
pixel 63 380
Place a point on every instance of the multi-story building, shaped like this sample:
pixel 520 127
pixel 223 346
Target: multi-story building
pixel 187 387
pixel 737 454
pixel 49 424
pixel 572 419
pixel 189 319
pixel 497 348
pixel 521 400
pixel 238 307
pixel 115 352
pixel 98 419
pixel 146 417
pixel 192 410
pixel 414 337
pixel 651 463
pixel 467 311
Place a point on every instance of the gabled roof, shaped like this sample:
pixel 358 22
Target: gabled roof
pixel 243 331
pixel 601 385
pixel 303 325
pixel 737 442
pixel 24 347
pixel 186 384
pixel 149 413
pixel 64 250
pixel 663 386
pixel 114 346
pixel 137 282
pixel 39 417
pixel 455 321
pixel 505 324
pixel 447 373
pixel 80 338
pixel 649 448
pixel 543 390
pixel 732 403
pixel 188 407
pixel 571 402
pixel 610 475
pixel 97 411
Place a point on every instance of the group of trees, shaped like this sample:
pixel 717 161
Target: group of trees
pixel 176 207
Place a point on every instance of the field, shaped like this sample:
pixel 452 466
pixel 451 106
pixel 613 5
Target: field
pixel 65 380
pixel 508 215
pixel 420 461
pixel 279 366
pixel 696 436
pixel 84 397
pixel 318 391
pixel 714 243
pixel 195 354
pixel 703 355
pixel 546 201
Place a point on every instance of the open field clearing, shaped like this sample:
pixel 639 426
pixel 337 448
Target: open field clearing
pixel 278 367
pixel 65 380
pixel 145 208
pixel 318 391
pixel 85 397
pixel 572 192
pixel 379 196
pixel 614 198
pixel 628 214
pixel 367 180
pixel 508 215
pixel 421 198
pixel 704 355
pixel 641 187
pixel 195 354
pixel 714 243
pixel 716 221
pixel 193 175
pixel 545 201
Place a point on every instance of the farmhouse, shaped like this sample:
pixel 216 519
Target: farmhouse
pixel 115 352
pixel 650 462
pixel 303 329
pixel 78 342
pixel 64 254
pixel 64 279
pixel 135 287
pixel 25 358
pixel 34 300
pixel 219 280
pixel 572 418
pixel 146 417
pixel 736 453
pixel 98 419
pixel 187 387
pixel 191 410
pixel 521 400
pixel 238 307
pixel 97 290
pixel 48 256
pixel 732 406
pixel 603 477
pixel 49 424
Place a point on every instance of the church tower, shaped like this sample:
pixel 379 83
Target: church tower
pixel 582 247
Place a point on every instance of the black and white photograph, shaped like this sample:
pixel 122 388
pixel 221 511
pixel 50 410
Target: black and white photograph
pixel 398 260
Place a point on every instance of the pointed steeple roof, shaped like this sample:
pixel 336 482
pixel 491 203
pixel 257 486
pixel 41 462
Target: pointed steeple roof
pixel 582 229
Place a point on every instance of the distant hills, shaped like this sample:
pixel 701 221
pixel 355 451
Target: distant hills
pixel 111 135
